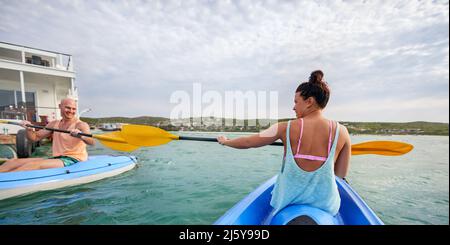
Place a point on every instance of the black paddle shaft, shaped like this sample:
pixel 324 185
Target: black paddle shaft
pixel 50 129
pixel 213 139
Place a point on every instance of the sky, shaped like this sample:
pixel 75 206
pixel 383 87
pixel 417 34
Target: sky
pixel 385 61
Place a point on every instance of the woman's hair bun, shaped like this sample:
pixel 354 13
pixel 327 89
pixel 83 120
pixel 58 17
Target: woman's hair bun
pixel 316 87
pixel 316 77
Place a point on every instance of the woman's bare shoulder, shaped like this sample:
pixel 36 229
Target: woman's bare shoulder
pixel 282 126
pixel 344 136
pixel 275 130
pixel 343 130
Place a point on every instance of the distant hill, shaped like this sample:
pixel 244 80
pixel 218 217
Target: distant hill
pixel 134 120
pixel 416 128
pixel 217 124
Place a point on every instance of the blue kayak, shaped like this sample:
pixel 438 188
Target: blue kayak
pixel 255 209
pixel 95 168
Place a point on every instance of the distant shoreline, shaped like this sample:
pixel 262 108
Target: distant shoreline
pixel 216 125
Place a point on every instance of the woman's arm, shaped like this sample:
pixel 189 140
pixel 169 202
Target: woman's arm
pixel 266 137
pixel 342 162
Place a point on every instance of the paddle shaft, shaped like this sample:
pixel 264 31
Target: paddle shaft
pixel 213 139
pixel 50 129
pixel 358 149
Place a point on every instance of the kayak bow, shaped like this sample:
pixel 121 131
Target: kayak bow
pixel 255 209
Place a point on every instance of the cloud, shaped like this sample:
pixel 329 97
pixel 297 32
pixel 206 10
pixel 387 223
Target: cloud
pixel 140 52
pixel 389 109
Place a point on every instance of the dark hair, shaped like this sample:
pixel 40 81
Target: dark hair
pixel 316 88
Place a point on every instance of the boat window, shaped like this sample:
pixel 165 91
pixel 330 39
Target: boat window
pixel 6 99
pixel 29 98
pixel 12 106
pixel 30 105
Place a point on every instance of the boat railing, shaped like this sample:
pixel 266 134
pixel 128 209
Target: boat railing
pixel 35 57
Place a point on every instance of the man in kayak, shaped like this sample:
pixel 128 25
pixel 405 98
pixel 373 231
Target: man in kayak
pixel 315 150
pixel 67 149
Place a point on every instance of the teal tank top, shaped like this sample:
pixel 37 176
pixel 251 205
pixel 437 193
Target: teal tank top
pixel 296 186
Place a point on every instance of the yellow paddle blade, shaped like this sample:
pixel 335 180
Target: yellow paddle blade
pixel 387 148
pixel 142 135
pixel 115 141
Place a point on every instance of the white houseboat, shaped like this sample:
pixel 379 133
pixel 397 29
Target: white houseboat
pixel 32 83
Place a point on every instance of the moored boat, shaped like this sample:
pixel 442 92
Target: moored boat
pixel 255 209
pixel 110 127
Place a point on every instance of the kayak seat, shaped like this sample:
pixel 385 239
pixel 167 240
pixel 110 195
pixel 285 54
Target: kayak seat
pixel 302 220
pixel 303 215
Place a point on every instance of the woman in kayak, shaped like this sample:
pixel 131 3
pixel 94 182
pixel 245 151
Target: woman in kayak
pixel 315 150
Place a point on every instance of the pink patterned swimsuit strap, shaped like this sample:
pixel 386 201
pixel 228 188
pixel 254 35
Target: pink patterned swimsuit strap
pixel 301 134
pixel 310 157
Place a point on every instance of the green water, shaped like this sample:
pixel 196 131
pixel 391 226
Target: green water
pixel 196 182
